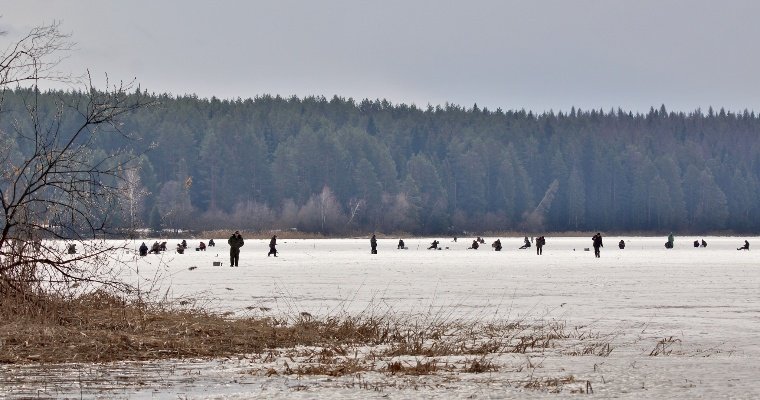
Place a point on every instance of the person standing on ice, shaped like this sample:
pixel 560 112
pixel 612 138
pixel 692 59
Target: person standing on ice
pixel 236 242
pixel 373 244
pixel 540 242
pixel 671 240
pixel 597 241
pixel 272 246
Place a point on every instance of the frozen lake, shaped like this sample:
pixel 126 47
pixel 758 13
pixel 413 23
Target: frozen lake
pixel 707 299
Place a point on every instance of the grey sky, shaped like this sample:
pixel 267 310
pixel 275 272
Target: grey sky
pixel 537 55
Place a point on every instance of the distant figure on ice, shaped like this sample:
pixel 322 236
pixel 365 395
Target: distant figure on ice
pixel 474 245
pixel 696 243
pixel 143 250
pixel 202 246
pixel 455 239
pixel 373 244
pixel 496 245
pixel 481 240
pixel 401 245
pixel 211 243
pixel 236 242
pixel 155 248
pixel 597 242
pixel 72 248
pixel 273 246
pixel 669 243
pixel 162 246
pixel 180 248
pixel 621 244
pixel 704 244
pixel 745 247
pixel 540 242
pixel 184 243
pixel 434 245
pixel 526 243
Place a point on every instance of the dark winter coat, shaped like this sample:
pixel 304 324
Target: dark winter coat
pixel 597 241
pixel 235 242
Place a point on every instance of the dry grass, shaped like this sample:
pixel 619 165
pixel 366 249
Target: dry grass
pixel 101 327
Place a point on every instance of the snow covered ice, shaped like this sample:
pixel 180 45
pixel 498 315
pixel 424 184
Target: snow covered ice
pixel 702 301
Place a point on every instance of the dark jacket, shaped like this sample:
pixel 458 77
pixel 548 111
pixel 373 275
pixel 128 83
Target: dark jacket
pixel 235 242
pixel 597 241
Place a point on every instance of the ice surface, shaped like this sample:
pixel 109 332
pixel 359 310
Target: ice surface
pixel 706 298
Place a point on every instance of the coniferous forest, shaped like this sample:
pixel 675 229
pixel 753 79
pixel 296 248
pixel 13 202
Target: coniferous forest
pixel 340 166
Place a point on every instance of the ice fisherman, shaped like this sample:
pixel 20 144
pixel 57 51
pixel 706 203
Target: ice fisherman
pixel 273 246
pixel 373 244
pixel 671 240
pixel 526 243
pixel 496 245
pixel 745 247
pixel 540 242
pixel 621 244
pixel 434 245
pixel 143 250
pixel 597 242
pixel 236 242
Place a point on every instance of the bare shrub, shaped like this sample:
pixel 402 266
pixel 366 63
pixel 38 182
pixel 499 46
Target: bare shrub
pixel 53 187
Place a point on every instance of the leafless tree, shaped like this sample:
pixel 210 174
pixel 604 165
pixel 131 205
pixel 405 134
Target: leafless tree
pixel 134 194
pixel 53 188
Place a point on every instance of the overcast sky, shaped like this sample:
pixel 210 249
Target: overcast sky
pixel 537 55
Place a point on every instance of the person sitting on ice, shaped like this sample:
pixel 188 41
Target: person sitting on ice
pixel 211 243
pixel 696 243
pixel 434 245
pixel 180 248
pixel 156 248
pixel 202 246
pixel 143 250
pixel 526 243
pixel 184 243
pixel 474 246
pixel 745 247
pixel 401 244
pixel 496 245
pixel 621 244
pixel 704 244
pixel 72 248
pixel 162 246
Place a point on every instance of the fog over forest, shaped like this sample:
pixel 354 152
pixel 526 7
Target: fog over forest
pixel 341 166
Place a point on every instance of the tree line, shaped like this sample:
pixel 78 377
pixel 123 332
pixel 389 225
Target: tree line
pixel 339 166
